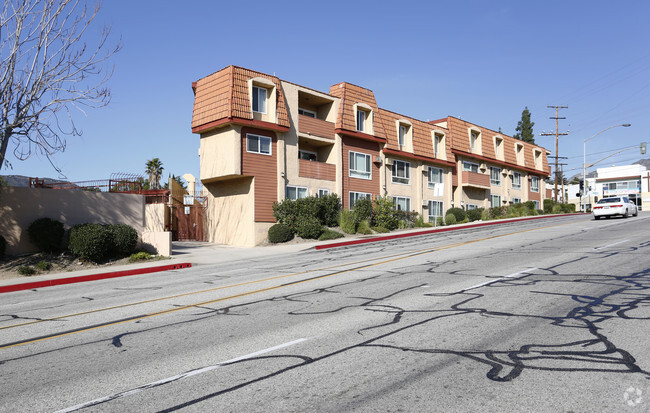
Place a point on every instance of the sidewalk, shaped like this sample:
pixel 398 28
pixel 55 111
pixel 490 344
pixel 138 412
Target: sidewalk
pixel 194 253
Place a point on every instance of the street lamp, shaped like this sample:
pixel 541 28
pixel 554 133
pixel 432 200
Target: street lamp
pixel 584 162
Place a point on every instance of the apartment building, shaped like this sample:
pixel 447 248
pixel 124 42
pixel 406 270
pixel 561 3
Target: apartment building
pixel 263 139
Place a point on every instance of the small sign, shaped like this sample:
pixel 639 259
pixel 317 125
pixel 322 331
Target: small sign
pixel 187 210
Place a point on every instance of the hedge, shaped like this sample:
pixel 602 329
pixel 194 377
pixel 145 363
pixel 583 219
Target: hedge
pixel 90 241
pixel 280 233
pixel 46 234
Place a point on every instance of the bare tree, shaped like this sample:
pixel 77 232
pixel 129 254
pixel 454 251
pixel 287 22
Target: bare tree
pixel 47 69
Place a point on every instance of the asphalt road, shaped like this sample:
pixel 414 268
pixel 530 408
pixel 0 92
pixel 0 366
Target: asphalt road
pixel 548 315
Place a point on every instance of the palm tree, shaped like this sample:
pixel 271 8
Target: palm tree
pixel 154 170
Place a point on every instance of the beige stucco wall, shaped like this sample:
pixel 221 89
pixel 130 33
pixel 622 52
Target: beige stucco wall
pixel 220 153
pixel 230 212
pixel 155 217
pixel 157 242
pixel 19 207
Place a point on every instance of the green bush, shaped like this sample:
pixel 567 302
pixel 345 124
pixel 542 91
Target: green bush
pixel 497 212
pixel 568 208
pixel 474 214
pixel 329 234
pixel 43 266
pixel 46 234
pixel 3 246
pixel 530 205
pixel 280 233
pixel 458 213
pixel 308 227
pixel 140 256
pixel 363 210
pixel 124 239
pixel 285 212
pixel 419 222
pixel 90 241
pixel 364 228
pixel 549 206
pixel 440 222
pixel 384 214
pixel 380 230
pixel 348 222
pixel 450 219
pixel 557 209
pixel 329 208
pixel 409 218
pixel 26 270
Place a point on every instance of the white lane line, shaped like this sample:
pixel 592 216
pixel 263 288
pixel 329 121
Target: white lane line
pixel 498 279
pixel 611 245
pixel 178 377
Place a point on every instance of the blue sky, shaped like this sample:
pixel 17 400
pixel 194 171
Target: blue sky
pixel 481 61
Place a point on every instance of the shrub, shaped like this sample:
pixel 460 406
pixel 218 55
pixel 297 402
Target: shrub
pixel 348 222
pixel 285 212
pixel 329 209
pixel 124 239
pixel 90 241
pixel 140 256
pixel 549 206
pixel 557 209
pixel 363 210
pixel 450 219
pixel 280 233
pixel 419 222
pixel 380 230
pixel 440 222
pixel 568 208
pixel 409 218
pixel 364 228
pixel 308 227
pixel 329 234
pixel 384 214
pixel 46 234
pixel 530 205
pixel 3 246
pixel 458 213
pixel 497 212
pixel 43 266
pixel 474 214
pixel 26 270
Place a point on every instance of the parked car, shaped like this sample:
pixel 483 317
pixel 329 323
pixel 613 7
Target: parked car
pixel 615 205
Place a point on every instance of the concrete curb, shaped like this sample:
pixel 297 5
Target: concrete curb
pixel 91 277
pixel 432 231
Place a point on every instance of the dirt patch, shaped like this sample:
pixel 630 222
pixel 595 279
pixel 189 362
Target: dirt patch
pixel 62 262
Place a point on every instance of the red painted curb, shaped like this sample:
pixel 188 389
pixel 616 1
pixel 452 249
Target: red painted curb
pixel 92 277
pixel 431 231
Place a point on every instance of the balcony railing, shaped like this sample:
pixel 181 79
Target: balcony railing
pixel 316 170
pixel 315 127
pixel 476 180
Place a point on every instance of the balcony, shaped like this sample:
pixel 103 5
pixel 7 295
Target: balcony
pixel 315 127
pixel 476 180
pixel 316 170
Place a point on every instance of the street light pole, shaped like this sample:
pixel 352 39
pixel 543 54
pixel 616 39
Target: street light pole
pixel 584 163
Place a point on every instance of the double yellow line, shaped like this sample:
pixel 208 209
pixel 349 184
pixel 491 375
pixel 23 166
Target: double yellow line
pixel 384 260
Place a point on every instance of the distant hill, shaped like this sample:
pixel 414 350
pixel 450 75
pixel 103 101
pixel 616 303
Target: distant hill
pixel 23 181
pixel 643 162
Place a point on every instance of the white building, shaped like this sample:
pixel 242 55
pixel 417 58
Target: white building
pixel 627 180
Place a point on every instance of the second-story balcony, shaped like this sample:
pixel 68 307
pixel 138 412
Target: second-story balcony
pixel 316 170
pixel 315 127
pixel 476 180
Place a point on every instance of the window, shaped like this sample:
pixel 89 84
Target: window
pixel 538 159
pixel 310 156
pixel 402 203
pixel 495 176
pixel 434 176
pixel 516 180
pixel 401 172
pixel 469 166
pixel 360 165
pixel 495 201
pixel 402 136
pixel 296 192
pixel 534 183
pixel 258 144
pixel 259 99
pixel 435 210
pixel 361 120
pixel 306 112
pixel 516 200
pixel 323 192
pixel 471 206
pixel 355 196
pixel 520 151
pixel 437 145
pixel 498 144
pixel 473 140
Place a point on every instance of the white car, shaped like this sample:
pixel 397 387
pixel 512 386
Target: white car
pixel 615 205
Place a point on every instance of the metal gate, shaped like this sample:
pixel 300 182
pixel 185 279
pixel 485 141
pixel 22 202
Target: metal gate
pixel 189 223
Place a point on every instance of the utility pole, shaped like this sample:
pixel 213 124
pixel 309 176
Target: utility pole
pixel 557 140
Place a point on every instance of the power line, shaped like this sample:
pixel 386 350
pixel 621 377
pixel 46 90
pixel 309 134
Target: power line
pixel 557 140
